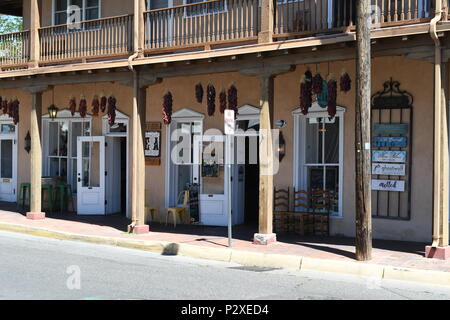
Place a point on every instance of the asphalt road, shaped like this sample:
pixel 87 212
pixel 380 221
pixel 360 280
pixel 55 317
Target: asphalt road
pixel 40 268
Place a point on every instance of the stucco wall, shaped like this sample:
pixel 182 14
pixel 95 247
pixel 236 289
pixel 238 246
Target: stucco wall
pixel 414 76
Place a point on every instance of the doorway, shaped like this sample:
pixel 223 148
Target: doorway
pixel 8 161
pixel 116 175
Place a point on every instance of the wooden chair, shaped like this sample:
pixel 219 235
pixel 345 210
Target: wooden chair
pixel 302 212
pixel 150 210
pixel 321 206
pixel 180 209
pixel 280 209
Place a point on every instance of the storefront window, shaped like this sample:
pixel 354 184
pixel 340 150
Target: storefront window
pixel 61 160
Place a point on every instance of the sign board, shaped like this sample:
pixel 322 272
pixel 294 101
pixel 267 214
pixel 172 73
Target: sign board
pixel 389 142
pixel 388 156
pixel 390 128
pixel 230 123
pixel 388 185
pixel 388 169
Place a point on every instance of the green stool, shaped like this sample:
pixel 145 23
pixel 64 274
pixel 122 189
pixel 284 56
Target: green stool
pixel 48 202
pixel 24 189
pixel 63 194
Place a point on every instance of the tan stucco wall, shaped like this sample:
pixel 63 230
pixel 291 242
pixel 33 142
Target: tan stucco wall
pixel 414 76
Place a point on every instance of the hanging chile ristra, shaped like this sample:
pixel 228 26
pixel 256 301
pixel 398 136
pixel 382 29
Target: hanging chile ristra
pixel 199 92
pixel 72 105
pixel 332 97
pixel 233 99
pixel 10 108
pixel 83 106
pixel 317 84
pixel 222 101
pixel 112 110
pixel 345 82
pixel 305 95
pixel 95 106
pixel 15 111
pixel 4 105
pixel 167 108
pixel 211 97
pixel 103 102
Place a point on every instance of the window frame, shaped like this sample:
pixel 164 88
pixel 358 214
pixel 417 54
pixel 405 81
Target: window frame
pixel 63 116
pixel 83 10
pixel 300 176
pixel 186 15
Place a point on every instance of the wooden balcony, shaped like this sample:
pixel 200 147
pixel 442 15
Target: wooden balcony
pixel 199 26
pixel 14 50
pixel 209 23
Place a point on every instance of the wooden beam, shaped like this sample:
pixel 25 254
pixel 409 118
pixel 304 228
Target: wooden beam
pixel 362 134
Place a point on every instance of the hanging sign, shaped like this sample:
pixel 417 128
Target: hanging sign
pixel 388 156
pixel 389 142
pixel 390 128
pixel 388 185
pixel 230 122
pixel 388 169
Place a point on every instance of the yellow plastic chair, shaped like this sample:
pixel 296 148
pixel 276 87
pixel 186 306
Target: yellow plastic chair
pixel 180 209
pixel 150 210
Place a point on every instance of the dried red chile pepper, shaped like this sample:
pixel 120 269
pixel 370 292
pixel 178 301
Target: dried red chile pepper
pixel 211 96
pixel 167 108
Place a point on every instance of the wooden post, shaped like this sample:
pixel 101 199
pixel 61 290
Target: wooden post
pixel 362 134
pixel 36 154
pixel 138 27
pixel 138 159
pixel 267 19
pixel 266 158
pixel 35 24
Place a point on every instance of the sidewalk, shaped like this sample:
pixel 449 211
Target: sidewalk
pixel 391 259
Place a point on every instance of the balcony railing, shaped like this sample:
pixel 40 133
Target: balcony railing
pixel 294 18
pixel 86 40
pixel 14 49
pixel 201 25
pixel 211 22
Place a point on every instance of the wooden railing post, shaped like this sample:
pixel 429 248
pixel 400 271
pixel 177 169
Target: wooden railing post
pixel 35 24
pixel 267 19
pixel 139 27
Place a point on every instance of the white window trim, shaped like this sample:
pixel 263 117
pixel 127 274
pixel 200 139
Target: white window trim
pixel 181 116
pixel 63 115
pixel 5 119
pixel 83 11
pixel 299 143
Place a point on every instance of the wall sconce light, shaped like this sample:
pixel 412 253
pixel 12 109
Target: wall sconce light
pixel 28 142
pixel 281 124
pixel 52 112
pixel 281 147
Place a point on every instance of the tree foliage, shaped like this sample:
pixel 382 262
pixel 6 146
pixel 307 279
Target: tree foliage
pixel 10 24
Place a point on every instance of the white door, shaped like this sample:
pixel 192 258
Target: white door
pixel 8 180
pixel 209 152
pixel 91 176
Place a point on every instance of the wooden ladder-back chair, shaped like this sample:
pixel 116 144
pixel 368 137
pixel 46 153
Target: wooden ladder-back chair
pixel 321 205
pixel 302 212
pixel 280 209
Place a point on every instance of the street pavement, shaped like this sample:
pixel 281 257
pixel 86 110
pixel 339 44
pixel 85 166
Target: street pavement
pixel 41 268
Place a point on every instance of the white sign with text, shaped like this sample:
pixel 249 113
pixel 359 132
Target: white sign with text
pixel 388 169
pixel 388 185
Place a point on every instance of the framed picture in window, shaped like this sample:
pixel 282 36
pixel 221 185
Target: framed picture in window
pixel 152 144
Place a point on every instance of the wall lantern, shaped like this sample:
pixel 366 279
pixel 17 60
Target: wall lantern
pixel 52 111
pixel 281 147
pixel 28 142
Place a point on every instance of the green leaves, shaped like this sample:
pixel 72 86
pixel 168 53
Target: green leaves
pixel 9 24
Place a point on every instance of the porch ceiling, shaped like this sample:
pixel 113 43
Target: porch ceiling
pixel 11 7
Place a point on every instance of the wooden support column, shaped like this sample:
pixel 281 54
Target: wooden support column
pixel 362 134
pixel 440 247
pixel 266 160
pixel 35 24
pixel 138 159
pixel 36 154
pixel 139 27
pixel 267 20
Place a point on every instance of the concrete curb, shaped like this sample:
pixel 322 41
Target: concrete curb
pixel 248 258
